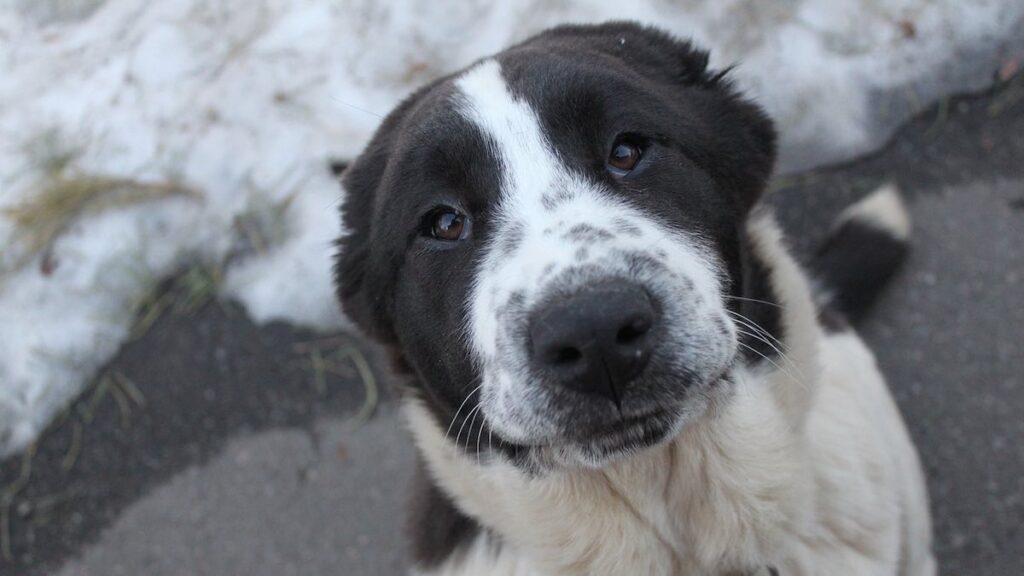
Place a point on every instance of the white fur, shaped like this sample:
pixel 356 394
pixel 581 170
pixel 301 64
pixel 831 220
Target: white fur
pixel 532 171
pixel 882 209
pixel 837 490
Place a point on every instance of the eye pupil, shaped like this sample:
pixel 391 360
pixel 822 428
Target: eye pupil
pixel 448 225
pixel 624 157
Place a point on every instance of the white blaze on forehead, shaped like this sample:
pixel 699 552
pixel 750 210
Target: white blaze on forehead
pixel 528 165
pixel 528 169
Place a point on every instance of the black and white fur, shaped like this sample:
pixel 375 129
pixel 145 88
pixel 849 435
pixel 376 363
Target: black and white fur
pixel 759 438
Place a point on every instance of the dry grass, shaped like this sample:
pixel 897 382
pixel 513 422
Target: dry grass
pixel 1011 94
pixel 62 195
pixel 372 396
pixel 63 198
pixel 186 294
pixel 789 181
pixel 7 495
pixel 261 226
pixel 113 385
pixel 337 356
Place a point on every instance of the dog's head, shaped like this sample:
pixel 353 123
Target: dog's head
pixel 549 240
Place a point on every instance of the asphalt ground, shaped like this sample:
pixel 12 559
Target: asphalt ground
pixel 214 446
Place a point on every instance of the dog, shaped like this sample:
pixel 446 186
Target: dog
pixel 611 363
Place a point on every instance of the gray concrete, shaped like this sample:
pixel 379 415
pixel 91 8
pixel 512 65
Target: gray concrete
pixel 280 503
pixel 950 337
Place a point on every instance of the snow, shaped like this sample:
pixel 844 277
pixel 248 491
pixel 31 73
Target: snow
pixel 246 100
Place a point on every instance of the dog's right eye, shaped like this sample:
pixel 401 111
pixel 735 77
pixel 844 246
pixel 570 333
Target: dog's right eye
pixel 625 155
pixel 448 224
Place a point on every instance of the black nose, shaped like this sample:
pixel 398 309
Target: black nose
pixel 596 341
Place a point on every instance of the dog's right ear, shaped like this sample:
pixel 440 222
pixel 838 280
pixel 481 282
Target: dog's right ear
pixel 362 274
pixel 352 260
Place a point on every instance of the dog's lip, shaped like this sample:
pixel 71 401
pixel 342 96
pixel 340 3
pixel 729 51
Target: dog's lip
pixel 619 430
pixel 625 434
pixel 630 434
pixel 628 424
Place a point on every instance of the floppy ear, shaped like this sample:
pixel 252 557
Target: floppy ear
pixel 743 136
pixel 364 276
pixel 352 264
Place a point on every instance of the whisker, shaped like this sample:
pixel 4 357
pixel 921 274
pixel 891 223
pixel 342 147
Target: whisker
pixel 461 406
pixel 773 363
pixel 754 326
pixel 464 420
pixel 479 433
pixel 354 107
pixel 791 369
pixel 745 299
pixel 765 333
pixel 469 431
pixel 462 426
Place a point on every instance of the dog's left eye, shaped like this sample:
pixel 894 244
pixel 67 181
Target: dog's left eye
pixel 624 156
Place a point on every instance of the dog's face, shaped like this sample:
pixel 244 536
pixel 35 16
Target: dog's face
pixel 550 240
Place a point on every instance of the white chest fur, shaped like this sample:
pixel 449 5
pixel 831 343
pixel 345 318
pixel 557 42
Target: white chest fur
pixel 808 469
pixel 741 489
pixel 707 499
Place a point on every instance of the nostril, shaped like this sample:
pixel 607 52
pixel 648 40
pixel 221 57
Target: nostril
pixel 634 330
pixel 564 356
pixel 595 341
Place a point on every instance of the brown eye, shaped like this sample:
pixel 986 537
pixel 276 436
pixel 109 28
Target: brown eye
pixel 624 157
pixel 449 225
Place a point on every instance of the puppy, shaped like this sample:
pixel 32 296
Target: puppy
pixel 612 364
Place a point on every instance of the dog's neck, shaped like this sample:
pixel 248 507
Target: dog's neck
pixel 711 501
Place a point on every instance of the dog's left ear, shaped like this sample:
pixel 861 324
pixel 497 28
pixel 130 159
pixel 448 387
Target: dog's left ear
pixel 743 136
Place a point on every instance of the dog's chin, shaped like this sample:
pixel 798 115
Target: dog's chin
pixel 622 437
pixel 616 441
pixel 594 437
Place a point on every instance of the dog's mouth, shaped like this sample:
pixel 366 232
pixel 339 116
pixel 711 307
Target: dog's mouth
pixel 632 433
pixel 625 436
pixel 598 442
